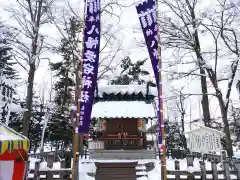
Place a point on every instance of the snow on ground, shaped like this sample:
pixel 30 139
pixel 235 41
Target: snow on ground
pixel 155 174
pixel 88 166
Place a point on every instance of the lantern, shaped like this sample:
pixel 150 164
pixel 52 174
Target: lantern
pixel 141 125
pixel 103 125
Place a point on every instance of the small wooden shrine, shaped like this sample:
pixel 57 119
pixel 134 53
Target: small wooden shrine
pixel 122 113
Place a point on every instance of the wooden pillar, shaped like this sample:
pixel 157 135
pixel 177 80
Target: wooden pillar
pixel 226 169
pixel 26 169
pixel 214 162
pixel 36 171
pixel 203 170
pixel 177 167
pixel 237 167
pixel 50 160
pixel 190 159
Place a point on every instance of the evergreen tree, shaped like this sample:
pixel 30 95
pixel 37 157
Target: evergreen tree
pixel 7 71
pixel 6 62
pixel 60 127
pixel 6 59
pixel 131 72
pixel 174 137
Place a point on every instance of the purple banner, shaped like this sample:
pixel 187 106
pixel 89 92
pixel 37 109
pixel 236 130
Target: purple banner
pixel 90 62
pixel 147 14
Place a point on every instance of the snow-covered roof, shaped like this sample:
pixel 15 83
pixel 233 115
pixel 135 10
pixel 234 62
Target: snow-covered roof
pixel 126 89
pixel 123 109
pixel 204 128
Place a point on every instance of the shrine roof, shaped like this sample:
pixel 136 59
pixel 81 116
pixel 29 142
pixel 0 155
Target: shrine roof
pixel 123 109
pixel 126 90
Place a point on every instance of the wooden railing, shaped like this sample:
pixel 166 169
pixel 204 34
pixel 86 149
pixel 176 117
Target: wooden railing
pixel 230 171
pixel 124 142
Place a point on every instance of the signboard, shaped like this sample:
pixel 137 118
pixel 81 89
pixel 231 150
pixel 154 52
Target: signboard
pixel 204 140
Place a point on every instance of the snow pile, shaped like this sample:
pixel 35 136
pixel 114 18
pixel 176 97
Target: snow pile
pixel 16 108
pixel 237 154
pixel 73 108
pixel 43 165
pixel 84 169
pixel 155 174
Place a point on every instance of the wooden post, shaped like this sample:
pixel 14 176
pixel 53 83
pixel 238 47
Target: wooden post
pixel 49 175
pixel 63 163
pixel 85 153
pixel 237 167
pixel 226 170
pixel 190 159
pixel 50 160
pixel 78 136
pixel 63 166
pixel 214 169
pixel 77 166
pixel 26 168
pixel 36 171
pixel 177 167
pixel 160 94
pixel 203 170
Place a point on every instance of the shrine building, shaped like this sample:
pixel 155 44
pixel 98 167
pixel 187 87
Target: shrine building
pixel 122 113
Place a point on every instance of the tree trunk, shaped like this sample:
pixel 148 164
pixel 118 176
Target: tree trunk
pixel 27 112
pixel 65 91
pixel 205 102
pixel 197 49
pixel 224 112
pixel 183 124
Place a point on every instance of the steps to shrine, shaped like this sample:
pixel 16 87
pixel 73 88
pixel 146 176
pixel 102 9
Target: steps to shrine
pixel 116 167
pixel 116 171
pixel 122 154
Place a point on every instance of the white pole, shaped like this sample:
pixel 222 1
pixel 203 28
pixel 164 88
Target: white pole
pixel 44 129
pixel 8 114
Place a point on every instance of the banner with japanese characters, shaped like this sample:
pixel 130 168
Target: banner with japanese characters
pixel 90 62
pixel 147 14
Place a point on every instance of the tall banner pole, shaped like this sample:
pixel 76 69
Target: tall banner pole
pixel 78 103
pixel 164 167
pixel 88 72
pixel 148 16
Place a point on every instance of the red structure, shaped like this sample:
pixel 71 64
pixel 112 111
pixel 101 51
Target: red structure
pixel 13 154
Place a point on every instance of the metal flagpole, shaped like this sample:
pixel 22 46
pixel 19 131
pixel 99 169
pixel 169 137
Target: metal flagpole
pixel 78 102
pixel 164 168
